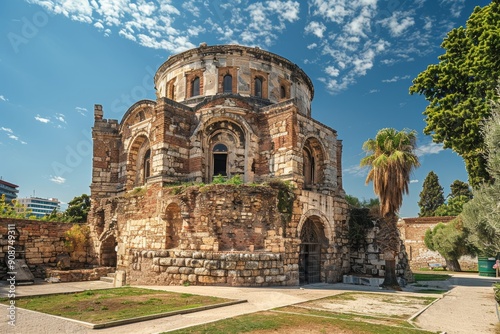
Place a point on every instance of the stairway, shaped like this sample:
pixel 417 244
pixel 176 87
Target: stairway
pixel 110 278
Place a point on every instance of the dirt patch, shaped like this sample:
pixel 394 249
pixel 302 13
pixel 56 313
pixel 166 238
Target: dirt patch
pixel 377 305
pixel 309 328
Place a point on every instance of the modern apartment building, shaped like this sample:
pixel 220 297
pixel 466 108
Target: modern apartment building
pixel 40 206
pixel 9 190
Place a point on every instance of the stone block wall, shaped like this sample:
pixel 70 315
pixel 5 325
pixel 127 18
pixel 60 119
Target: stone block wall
pixel 39 243
pixel 369 260
pixel 171 267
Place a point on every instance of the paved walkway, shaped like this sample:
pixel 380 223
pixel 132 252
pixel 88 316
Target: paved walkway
pixel 468 308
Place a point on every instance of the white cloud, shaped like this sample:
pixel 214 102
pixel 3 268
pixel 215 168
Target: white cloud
pixel 81 111
pixel 430 148
pixel 11 135
pixel 396 78
pixel 360 34
pixel 3 98
pixel 357 170
pixel 413 181
pixel 455 6
pixel 332 71
pixel 57 179
pixel 315 28
pixel 372 91
pixel 398 22
pixel 312 46
pixel 145 22
pixel 42 119
pixel 60 118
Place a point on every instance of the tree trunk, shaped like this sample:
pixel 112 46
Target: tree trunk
pixel 389 242
pixel 453 265
pixel 390 278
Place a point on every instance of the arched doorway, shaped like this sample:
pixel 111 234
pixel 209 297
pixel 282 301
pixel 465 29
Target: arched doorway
pixel 108 251
pixel 311 236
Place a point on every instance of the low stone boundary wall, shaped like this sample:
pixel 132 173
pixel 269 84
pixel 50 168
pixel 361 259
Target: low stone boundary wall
pixel 78 275
pixel 210 268
pixel 39 243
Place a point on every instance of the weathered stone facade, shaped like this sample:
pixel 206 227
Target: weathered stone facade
pixel 220 110
pixel 40 244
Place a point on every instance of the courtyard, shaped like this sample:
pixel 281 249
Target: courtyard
pixel 468 307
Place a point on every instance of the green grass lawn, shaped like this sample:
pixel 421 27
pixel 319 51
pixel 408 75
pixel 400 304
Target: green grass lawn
pixel 346 313
pixel 283 322
pixel 100 306
pixel 431 277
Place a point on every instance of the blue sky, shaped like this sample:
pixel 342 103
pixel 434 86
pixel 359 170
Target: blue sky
pixel 58 58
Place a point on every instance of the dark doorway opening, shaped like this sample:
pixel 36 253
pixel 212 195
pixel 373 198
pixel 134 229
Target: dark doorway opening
pixel 220 160
pixel 310 254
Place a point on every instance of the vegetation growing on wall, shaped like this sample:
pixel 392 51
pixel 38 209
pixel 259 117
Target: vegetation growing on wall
pixel 76 237
pixel 360 221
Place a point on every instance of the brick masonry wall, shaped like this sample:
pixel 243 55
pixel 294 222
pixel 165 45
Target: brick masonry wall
pixel 39 243
pixel 178 231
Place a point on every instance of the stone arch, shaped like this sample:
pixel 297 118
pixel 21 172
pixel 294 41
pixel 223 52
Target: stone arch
pixel 314 232
pixel 322 218
pixel 314 161
pixel 231 134
pixel 174 222
pixel 139 158
pixel 107 250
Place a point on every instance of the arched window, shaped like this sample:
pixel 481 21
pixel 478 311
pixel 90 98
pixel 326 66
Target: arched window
pixel 282 92
pixel 258 87
pixel 220 159
pixel 195 87
pixel 228 83
pixel 308 168
pixel 147 165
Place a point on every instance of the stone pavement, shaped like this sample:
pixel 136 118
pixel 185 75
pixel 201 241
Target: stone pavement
pixel 468 308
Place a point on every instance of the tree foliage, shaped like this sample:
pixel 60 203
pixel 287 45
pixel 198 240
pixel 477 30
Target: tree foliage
pixel 431 196
pixel 481 215
pixel 459 87
pixel 391 158
pixel 76 212
pixel 78 209
pixel 460 188
pixel 452 207
pixel 449 240
pixel 14 209
pixel 357 203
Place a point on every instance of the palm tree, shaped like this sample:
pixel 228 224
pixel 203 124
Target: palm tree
pixel 391 158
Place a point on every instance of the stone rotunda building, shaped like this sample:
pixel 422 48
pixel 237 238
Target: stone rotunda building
pixel 221 112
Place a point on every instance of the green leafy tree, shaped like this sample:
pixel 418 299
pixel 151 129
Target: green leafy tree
pixel 78 209
pixel 449 240
pixel 54 216
pixel 357 203
pixel 431 196
pixel 452 207
pixel 460 188
pixel 459 87
pixel 14 209
pixel 391 158
pixel 481 215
